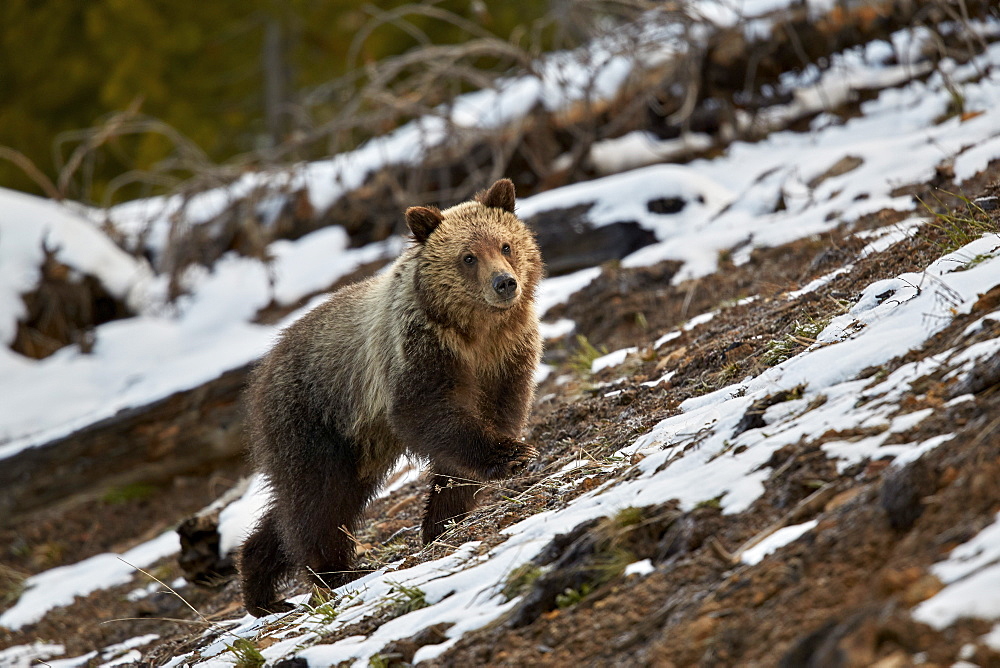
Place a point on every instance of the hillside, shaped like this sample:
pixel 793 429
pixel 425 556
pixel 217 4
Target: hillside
pixel 768 418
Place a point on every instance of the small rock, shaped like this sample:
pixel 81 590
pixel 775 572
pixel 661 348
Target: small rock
pixel 898 659
pixel 921 590
pixel 903 491
pixel 294 662
pixel 893 580
pixel 703 627
pixel 841 499
pixel 988 203
pixel 846 164
pixel 666 205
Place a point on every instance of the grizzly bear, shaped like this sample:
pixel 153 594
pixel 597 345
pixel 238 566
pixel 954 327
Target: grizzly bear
pixel 435 357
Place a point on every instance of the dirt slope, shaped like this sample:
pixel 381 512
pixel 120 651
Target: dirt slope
pixel 841 598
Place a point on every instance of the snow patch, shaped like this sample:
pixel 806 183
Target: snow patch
pixel 60 586
pixel 971 574
pixel 557 329
pixel 28 227
pixel 23 656
pixel 777 540
pixel 644 567
pixel 611 359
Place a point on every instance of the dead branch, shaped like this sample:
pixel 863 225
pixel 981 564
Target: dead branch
pixel 30 169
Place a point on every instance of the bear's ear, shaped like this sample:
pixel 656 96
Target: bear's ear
pixel 422 220
pixel 499 196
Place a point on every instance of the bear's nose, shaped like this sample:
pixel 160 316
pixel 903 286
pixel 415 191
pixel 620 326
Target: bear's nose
pixel 505 286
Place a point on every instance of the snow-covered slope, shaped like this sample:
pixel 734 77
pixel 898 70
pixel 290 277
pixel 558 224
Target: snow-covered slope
pixel 30 226
pixel 897 140
pixel 786 187
pixel 464 589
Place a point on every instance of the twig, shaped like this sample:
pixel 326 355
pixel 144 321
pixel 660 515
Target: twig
pixel 31 171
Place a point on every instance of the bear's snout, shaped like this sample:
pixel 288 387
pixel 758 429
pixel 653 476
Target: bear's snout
pixel 505 286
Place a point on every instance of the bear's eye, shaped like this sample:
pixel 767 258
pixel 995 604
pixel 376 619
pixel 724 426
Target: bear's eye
pixel 505 249
pixel 469 259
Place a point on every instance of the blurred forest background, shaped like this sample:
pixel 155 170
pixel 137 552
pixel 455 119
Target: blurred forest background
pixel 108 100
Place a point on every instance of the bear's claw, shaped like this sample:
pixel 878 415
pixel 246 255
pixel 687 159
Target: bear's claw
pixel 514 456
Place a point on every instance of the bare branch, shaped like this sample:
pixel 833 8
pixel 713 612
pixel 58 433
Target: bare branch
pixel 31 171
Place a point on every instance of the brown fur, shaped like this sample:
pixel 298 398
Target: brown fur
pixel 430 357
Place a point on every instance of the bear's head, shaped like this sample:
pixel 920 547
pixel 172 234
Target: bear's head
pixel 477 257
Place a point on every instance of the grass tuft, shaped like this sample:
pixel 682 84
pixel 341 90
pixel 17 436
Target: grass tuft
pixel 520 579
pixel 715 502
pixel 803 335
pixel 611 563
pixel 585 355
pixel 11 585
pixel 981 257
pixel 629 516
pixel 403 600
pixel 571 597
pixel 246 653
pixel 957 228
pixel 136 491
pixel 322 606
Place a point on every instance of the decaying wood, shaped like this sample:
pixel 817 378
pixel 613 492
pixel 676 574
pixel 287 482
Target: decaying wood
pixel 184 432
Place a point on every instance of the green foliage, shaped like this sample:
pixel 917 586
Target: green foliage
pixel 162 572
pixel 799 391
pixel 571 597
pixel 403 599
pixel 958 228
pixel 322 606
pixel 11 585
pixel 378 661
pixel 715 502
pixel 325 614
pixel 803 334
pixel 320 596
pixel 729 372
pixel 135 491
pixel 520 579
pixel 246 653
pixel 780 350
pixel 610 563
pixel 730 303
pixel 979 258
pixel 585 354
pixel 389 551
pixel 629 516
pixel 51 551
pixel 956 102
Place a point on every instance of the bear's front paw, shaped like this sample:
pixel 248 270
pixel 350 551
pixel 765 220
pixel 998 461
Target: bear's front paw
pixel 512 458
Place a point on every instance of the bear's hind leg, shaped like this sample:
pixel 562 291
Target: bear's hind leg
pixel 452 497
pixel 322 521
pixel 263 565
